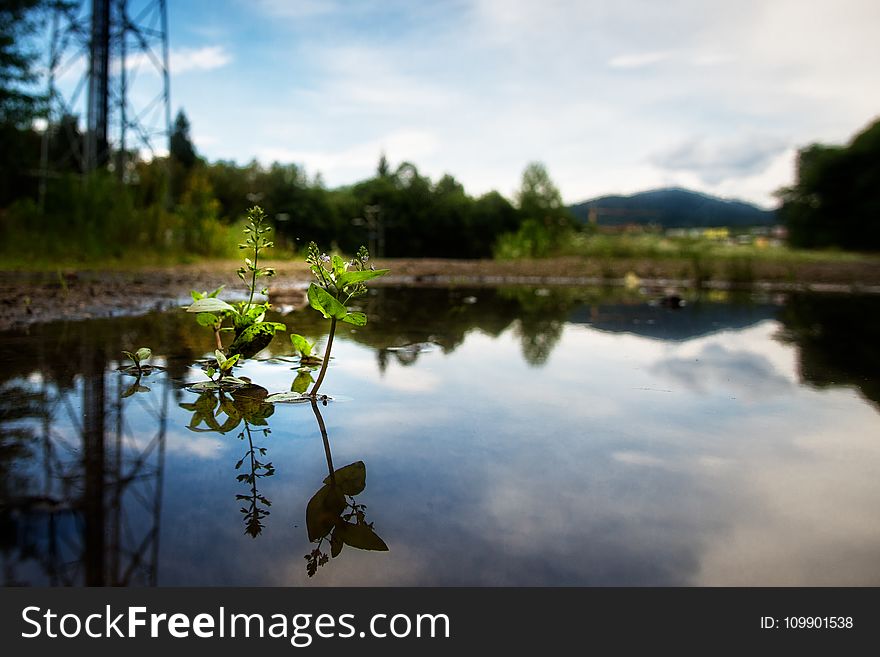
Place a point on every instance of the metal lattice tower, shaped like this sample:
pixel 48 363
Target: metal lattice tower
pixel 109 85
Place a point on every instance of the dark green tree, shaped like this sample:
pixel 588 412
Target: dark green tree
pixel 19 101
pixel 383 169
pixel 180 144
pixel 835 201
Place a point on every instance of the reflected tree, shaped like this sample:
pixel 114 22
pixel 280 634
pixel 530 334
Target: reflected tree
pixel 837 340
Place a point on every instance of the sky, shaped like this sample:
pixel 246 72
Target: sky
pixel 612 96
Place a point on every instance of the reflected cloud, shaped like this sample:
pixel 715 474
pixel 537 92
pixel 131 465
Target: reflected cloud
pixel 716 368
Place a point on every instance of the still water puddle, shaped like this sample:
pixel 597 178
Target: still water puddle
pixel 479 437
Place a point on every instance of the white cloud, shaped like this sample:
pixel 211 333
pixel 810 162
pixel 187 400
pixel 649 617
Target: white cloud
pixel 360 159
pixel 181 60
pixel 612 97
pixel 207 58
pixel 714 160
pixel 638 60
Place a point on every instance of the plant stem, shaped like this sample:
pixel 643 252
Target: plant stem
pixel 323 429
pixel 314 391
pixel 217 337
pixel 253 276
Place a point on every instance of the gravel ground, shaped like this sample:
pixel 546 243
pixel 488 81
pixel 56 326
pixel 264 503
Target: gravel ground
pixel 26 298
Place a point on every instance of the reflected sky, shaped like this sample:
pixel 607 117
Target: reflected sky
pixel 623 456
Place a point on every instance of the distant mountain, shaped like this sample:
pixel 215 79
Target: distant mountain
pixel 673 208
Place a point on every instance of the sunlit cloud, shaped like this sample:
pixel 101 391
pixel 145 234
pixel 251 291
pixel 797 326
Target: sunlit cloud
pixel 181 60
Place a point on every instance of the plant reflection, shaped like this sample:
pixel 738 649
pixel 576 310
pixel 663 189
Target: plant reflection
pixel 245 405
pixel 333 515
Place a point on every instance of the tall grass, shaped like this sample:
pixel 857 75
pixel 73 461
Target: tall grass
pixel 97 220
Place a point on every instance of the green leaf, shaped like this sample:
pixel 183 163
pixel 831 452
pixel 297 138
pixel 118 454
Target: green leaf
pixel 210 305
pixel 130 356
pixel 250 316
pixel 255 338
pixel 358 319
pixel 325 303
pixel 221 358
pixel 361 536
pixel 352 277
pixel 197 295
pixel 214 294
pixel 323 510
pixel 143 354
pixel 339 266
pixel 300 344
pixel 352 479
pixel 208 320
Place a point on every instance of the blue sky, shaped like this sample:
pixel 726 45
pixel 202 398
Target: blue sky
pixel 614 97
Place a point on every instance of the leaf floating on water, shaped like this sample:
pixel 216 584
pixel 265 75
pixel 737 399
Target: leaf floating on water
pixel 202 386
pixel 286 398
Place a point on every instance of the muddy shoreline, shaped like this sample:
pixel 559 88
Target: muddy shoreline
pixel 28 297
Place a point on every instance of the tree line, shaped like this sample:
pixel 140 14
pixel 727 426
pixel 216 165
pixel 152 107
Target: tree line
pixel 183 203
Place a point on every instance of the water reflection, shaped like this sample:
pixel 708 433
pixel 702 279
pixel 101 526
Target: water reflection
pixel 331 509
pixel 836 338
pixel 222 412
pixel 81 501
pixel 718 443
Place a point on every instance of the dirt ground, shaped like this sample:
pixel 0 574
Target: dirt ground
pixel 26 298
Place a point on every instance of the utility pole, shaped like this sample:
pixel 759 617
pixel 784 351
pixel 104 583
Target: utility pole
pixel 117 51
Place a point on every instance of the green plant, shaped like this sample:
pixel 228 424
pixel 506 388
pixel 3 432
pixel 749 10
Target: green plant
pixel 308 363
pixel 304 348
pixel 337 282
pixel 140 359
pixel 252 333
